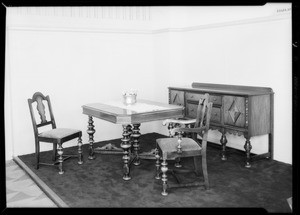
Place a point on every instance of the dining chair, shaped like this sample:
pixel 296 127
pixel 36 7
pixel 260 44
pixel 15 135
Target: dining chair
pixel 54 135
pixel 185 141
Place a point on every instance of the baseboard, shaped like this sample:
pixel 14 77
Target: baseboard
pixel 50 193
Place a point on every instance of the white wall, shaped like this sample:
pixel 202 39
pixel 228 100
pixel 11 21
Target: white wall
pixel 89 56
pixel 74 66
pixel 254 50
pixel 250 54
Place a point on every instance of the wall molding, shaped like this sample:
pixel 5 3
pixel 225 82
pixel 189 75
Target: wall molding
pixel 150 31
pixel 226 24
pixel 80 30
pixel 102 13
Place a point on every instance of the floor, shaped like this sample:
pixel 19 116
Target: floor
pixel 21 190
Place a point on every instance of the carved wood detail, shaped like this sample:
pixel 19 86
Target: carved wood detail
pixel 91 132
pixel 135 136
pixel 126 145
pixel 41 109
pixel 239 110
pixel 235 132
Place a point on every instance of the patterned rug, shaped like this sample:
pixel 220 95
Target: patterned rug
pixel 98 183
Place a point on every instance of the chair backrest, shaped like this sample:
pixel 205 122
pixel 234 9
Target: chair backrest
pixel 39 98
pixel 203 116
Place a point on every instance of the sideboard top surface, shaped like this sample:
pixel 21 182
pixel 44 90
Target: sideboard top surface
pixel 227 89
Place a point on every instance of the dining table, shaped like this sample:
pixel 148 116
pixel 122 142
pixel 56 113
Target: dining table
pixel 130 117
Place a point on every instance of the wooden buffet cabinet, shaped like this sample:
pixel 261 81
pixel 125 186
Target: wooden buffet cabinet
pixel 239 110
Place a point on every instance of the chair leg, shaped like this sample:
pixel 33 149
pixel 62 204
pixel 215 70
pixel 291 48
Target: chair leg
pixel 60 158
pixel 164 169
pixel 54 152
pixel 79 150
pixel 37 154
pixel 198 168
pixel 157 164
pixel 204 169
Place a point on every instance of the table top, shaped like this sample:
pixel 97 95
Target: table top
pixel 141 111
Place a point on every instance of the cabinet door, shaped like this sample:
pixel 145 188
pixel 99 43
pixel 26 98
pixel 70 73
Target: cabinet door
pixel 176 97
pixel 234 111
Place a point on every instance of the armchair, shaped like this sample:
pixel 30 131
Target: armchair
pixel 177 147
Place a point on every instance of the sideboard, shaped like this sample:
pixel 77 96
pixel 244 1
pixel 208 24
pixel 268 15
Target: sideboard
pixel 238 110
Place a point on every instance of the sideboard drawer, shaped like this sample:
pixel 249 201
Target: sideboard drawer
pixel 192 112
pixel 193 96
pixel 215 99
pixel 176 97
pixel 215 115
pixel 212 98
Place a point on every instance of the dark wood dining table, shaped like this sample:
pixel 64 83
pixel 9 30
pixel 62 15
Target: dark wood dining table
pixel 130 117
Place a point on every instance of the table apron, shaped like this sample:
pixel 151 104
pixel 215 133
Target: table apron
pixel 134 118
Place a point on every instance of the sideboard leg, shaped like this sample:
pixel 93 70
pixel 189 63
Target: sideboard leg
pixel 177 163
pixel 271 147
pixel 223 142
pixel 271 134
pixel 247 148
pixel 91 132
pixel 125 145
pixel 136 135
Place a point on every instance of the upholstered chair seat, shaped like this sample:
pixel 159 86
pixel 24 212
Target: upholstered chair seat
pixel 169 149
pixel 58 133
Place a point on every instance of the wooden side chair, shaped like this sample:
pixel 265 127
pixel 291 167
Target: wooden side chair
pixel 176 146
pixel 56 136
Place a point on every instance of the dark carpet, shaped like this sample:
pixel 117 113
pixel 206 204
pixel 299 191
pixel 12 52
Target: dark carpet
pixel 98 183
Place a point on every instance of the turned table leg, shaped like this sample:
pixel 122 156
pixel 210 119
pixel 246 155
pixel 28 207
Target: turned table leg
pixel 125 145
pixel 129 130
pixel 136 135
pixel 247 148
pixel 223 141
pixel 91 132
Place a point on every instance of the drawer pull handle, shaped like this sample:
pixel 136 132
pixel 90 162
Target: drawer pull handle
pixel 214 99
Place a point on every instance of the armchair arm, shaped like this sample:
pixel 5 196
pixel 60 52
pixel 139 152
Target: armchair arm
pixel 188 130
pixel 179 121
